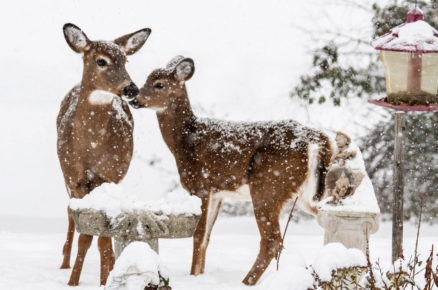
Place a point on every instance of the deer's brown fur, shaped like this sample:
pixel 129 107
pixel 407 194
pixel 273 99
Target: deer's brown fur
pixel 95 128
pixel 276 160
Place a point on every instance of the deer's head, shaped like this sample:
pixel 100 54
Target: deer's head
pixel 104 61
pixel 164 85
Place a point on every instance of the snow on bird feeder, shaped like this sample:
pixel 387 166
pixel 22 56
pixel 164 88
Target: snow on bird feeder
pixel 409 53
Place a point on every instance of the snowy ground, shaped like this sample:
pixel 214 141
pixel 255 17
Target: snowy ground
pixel 30 258
pixel 248 56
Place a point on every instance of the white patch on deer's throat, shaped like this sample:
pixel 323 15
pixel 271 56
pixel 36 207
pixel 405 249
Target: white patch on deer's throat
pixel 99 97
pixel 242 193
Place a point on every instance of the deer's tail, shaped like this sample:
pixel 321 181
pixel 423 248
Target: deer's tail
pixel 324 159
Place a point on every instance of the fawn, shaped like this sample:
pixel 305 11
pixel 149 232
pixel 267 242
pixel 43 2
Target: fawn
pixel 95 128
pixel 266 162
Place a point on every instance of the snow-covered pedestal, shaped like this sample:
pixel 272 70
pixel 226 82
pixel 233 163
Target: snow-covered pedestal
pixel 138 267
pixel 109 212
pixel 349 212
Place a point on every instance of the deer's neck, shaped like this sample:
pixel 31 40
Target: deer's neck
pixel 99 108
pixel 176 122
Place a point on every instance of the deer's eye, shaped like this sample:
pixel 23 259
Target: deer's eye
pixel 158 86
pixel 101 62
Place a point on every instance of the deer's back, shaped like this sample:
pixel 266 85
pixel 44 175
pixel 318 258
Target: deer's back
pixel 222 154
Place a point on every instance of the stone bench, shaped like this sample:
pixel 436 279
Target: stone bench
pixel 136 225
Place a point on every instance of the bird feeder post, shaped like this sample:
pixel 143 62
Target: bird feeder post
pixel 399 162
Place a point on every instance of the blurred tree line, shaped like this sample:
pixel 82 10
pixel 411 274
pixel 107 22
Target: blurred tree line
pixel 333 78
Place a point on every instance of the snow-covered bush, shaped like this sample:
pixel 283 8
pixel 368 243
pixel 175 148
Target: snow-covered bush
pixel 138 267
pixel 335 265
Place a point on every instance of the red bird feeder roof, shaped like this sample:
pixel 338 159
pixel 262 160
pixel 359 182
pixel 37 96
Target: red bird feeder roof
pixel 414 36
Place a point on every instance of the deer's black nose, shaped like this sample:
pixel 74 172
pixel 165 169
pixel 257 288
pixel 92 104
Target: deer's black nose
pixel 131 91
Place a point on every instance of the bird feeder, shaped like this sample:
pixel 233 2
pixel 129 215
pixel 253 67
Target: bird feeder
pixel 409 54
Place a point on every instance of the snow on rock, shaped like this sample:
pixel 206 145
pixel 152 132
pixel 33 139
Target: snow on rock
pixel 113 200
pixel 137 267
pixel 336 256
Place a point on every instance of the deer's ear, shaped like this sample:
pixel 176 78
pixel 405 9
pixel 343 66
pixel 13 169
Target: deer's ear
pixel 131 43
pixel 76 38
pixel 184 69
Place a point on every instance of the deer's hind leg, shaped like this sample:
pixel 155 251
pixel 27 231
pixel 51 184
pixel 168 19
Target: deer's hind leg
pixel 271 185
pixel 66 251
pixel 270 238
pixel 201 237
pixel 106 258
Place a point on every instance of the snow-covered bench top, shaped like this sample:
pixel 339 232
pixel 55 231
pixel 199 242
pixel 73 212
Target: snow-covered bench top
pixel 114 200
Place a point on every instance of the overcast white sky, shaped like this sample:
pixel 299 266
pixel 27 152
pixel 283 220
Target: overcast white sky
pixel 247 53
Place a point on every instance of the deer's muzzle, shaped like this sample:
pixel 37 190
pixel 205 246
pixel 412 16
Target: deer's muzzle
pixel 134 103
pixel 130 91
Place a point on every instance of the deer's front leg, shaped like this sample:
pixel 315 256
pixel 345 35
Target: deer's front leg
pixel 201 237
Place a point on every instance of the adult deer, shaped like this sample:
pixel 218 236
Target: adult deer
pixel 95 129
pixel 268 162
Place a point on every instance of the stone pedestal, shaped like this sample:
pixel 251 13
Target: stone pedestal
pixel 121 243
pixel 352 229
pixel 136 225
